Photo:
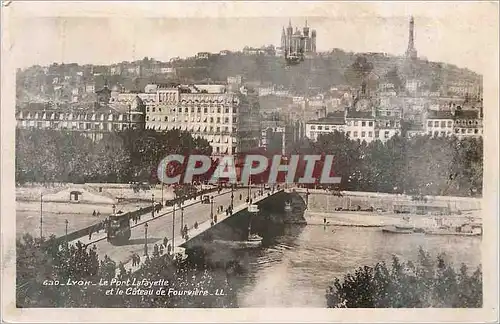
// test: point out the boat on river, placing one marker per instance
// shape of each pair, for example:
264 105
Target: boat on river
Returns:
396 230
253 241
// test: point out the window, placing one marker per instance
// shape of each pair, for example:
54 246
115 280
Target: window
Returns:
363 134
430 133
450 123
227 110
226 120
355 123
386 134
470 122
327 127
205 110
147 109
436 123
320 127
199 109
377 134
436 134
218 110
476 131
443 124
363 124
211 119
355 134
313 127
234 119
153 109
457 130
147 118
348 133
192 109
218 120
211 128
370 124
463 130
443 133
469 131
218 130
166 118
186 110
429 123
370 134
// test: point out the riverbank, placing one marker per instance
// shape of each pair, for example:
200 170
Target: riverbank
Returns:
374 219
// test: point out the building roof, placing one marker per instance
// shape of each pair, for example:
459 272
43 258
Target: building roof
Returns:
360 114
328 121
440 114
448 114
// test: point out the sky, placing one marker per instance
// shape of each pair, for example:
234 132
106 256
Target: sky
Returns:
447 33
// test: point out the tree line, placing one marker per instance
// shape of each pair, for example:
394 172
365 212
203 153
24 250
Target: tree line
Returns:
421 165
128 156
39 266
423 284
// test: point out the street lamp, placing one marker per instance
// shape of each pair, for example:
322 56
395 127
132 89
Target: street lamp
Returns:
146 239
162 193
114 209
212 207
153 205
173 230
41 217
232 195
182 220
66 221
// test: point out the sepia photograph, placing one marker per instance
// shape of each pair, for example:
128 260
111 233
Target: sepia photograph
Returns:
249 156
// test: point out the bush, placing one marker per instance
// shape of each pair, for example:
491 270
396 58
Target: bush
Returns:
408 285
38 265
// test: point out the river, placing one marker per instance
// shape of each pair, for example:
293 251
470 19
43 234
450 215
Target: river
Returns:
295 267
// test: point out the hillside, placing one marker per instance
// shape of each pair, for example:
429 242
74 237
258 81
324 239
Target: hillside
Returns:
320 72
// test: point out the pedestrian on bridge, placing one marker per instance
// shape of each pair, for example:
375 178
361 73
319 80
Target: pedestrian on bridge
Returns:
94 213
165 241
90 234
161 249
195 225
169 248
185 231
240 197
156 251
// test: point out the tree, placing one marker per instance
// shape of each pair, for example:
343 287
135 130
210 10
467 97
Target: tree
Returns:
357 72
408 285
392 76
39 265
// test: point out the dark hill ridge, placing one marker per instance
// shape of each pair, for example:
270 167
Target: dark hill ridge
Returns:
321 72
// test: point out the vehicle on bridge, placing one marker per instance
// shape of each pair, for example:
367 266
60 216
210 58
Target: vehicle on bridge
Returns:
205 199
118 231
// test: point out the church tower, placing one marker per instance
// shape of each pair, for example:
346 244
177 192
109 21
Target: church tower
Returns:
411 52
283 38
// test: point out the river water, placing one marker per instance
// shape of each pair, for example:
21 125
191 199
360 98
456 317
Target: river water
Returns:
295 267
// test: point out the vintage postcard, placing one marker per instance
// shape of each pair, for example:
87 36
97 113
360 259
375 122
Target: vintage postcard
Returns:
249 161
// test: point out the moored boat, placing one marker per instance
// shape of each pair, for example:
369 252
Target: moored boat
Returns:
395 230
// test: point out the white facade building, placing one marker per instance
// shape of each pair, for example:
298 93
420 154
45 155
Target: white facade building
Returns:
206 111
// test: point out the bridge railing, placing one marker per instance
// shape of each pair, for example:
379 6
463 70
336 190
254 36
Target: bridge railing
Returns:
132 214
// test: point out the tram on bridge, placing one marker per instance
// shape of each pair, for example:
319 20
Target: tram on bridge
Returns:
118 229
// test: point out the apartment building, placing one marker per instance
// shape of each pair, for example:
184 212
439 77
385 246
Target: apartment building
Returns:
93 123
207 111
